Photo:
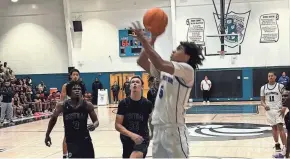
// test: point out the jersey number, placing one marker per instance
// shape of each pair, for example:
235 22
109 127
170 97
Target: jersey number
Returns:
271 98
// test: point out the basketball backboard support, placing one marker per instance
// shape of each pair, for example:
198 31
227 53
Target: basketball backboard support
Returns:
231 45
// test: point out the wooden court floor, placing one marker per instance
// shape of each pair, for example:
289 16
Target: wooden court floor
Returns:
27 140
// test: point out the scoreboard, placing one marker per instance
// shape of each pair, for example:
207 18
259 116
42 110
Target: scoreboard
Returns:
128 45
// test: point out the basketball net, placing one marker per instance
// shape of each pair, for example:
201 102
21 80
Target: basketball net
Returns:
222 54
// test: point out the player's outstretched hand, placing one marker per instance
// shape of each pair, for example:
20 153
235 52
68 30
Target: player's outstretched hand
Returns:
47 141
91 127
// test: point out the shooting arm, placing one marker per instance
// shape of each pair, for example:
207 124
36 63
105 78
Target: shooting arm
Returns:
155 59
143 59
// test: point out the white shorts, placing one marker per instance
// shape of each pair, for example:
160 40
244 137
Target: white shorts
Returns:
170 142
274 117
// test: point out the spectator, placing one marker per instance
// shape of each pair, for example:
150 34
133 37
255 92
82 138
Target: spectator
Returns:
284 79
17 108
6 107
52 100
115 89
27 107
95 87
38 103
126 88
152 93
205 87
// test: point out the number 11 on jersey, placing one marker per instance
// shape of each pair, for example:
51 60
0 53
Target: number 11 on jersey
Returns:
271 98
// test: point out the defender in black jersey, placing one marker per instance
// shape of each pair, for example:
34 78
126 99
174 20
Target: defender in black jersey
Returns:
132 121
75 115
286 103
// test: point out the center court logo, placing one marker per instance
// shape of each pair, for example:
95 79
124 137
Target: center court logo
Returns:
227 131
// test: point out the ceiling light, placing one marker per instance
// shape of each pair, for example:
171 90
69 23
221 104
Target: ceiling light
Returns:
14 1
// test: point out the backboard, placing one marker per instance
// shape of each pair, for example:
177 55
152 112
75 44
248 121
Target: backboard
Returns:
213 45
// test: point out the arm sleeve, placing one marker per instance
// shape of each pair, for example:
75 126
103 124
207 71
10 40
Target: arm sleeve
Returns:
153 71
262 93
121 108
183 70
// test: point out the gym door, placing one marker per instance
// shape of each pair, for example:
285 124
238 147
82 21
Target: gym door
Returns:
125 76
119 80
145 77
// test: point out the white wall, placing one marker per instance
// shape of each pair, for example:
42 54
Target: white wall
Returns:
253 53
32 36
99 50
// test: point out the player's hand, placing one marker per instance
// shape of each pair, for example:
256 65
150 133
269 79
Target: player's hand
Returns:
267 108
92 127
137 139
47 141
282 111
137 29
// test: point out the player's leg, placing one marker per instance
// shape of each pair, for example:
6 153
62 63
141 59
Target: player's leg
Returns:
176 144
87 150
127 148
283 137
204 96
280 122
140 151
271 118
287 124
64 148
158 150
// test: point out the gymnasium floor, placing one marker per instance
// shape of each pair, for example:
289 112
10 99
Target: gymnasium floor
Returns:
221 139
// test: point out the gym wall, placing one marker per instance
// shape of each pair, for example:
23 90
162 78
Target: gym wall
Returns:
33 37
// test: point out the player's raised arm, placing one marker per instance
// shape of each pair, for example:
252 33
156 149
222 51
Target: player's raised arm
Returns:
145 63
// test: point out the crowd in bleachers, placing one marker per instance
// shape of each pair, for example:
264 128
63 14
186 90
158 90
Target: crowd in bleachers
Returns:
21 98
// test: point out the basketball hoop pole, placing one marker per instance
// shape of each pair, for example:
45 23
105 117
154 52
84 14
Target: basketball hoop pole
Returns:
222 8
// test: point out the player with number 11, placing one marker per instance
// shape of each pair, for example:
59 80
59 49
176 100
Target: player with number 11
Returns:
271 100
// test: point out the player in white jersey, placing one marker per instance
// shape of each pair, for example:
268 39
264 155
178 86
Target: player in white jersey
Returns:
271 100
176 80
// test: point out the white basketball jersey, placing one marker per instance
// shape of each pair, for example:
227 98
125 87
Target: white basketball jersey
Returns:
273 95
173 94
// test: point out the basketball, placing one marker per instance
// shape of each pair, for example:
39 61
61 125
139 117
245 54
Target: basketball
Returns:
155 20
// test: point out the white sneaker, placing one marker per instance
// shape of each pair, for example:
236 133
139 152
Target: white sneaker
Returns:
203 102
283 150
208 103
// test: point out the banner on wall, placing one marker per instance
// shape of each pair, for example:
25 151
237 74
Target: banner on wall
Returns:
195 32
269 28
103 98
235 23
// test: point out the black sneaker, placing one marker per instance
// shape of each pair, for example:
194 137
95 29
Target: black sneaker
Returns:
277 147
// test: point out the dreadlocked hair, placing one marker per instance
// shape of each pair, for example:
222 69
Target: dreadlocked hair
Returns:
71 84
195 53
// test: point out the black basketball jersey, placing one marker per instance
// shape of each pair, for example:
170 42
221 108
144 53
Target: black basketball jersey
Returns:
75 122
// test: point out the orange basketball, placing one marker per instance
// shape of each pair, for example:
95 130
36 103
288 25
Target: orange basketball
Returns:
155 20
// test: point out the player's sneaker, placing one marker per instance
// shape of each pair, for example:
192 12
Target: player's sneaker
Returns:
283 150
277 147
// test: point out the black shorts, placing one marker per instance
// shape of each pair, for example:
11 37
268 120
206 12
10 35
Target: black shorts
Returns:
129 146
287 122
83 149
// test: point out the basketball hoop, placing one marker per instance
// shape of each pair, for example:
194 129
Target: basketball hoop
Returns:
222 53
